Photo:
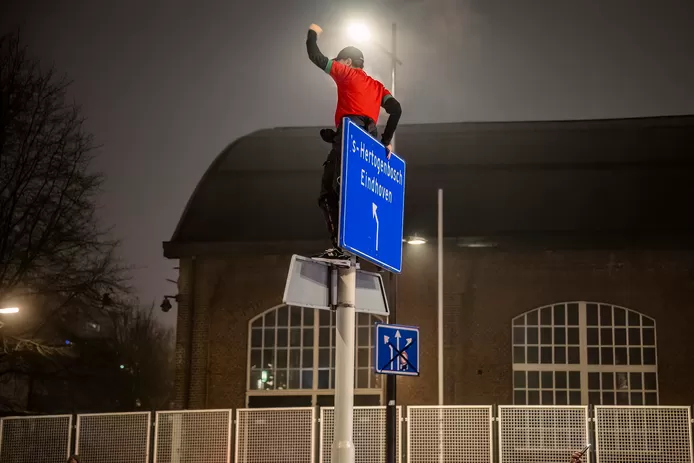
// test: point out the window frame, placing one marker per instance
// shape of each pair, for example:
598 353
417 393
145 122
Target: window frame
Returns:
583 366
314 391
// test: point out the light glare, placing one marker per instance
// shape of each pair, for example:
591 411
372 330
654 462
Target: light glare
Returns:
9 310
416 240
359 32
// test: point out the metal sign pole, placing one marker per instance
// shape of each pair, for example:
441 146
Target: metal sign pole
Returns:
343 447
391 383
391 386
440 321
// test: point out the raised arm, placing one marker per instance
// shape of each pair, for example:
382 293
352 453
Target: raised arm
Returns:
314 53
394 110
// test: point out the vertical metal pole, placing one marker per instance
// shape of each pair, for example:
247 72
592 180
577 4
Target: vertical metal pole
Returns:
440 295
343 447
394 60
391 384
440 319
394 67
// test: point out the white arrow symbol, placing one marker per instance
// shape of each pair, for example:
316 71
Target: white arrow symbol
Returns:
397 345
375 216
385 341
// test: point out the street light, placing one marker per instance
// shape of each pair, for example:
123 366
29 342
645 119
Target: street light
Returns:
7 310
359 32
415 240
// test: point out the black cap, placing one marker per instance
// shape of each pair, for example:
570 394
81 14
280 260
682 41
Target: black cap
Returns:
350 52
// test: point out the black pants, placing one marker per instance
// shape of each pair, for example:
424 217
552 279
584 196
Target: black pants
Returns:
329 198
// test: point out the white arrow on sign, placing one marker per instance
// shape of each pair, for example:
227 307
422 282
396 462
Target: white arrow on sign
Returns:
397 345
385 341
375 216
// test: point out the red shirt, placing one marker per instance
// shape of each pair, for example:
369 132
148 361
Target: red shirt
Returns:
358 94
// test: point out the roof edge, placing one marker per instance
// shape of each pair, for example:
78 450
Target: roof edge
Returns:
660 118
212 168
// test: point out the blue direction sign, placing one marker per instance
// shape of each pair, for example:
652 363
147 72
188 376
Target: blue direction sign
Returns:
396 350
372 199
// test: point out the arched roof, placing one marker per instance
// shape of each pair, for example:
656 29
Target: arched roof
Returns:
515 178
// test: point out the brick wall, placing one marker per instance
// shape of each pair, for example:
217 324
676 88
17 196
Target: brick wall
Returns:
182 334
483 290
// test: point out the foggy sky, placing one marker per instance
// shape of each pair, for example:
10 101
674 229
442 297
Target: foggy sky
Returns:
166 85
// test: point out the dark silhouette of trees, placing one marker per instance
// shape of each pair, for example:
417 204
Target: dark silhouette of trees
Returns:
77 323
131 369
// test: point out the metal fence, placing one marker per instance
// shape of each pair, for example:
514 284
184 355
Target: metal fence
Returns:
369 434
275 434
450 433
192 436
524 434
113 437
643 434
531 434
44 439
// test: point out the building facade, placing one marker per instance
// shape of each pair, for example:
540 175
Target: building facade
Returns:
568 269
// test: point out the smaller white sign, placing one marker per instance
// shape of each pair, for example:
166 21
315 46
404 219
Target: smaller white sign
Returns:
313 284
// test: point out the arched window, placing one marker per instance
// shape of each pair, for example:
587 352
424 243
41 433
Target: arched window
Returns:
292 350
584 353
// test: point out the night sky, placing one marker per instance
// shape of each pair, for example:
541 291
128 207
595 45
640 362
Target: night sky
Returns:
166 85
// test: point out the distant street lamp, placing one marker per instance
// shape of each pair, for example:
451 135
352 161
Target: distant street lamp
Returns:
415 240
7 310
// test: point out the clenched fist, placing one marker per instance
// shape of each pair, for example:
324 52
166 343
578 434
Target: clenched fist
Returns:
316 28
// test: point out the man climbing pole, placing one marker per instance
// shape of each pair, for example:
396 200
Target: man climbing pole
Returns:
360 98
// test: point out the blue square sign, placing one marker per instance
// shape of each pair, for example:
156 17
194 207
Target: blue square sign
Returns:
396 350
372 199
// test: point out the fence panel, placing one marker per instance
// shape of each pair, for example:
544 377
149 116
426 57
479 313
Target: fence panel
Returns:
648 434
193 436
449 434
113 437
275 435
542 434
369 434
35 438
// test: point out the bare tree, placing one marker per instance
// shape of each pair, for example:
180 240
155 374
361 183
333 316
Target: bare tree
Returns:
51 244
128 369
147 352
56 260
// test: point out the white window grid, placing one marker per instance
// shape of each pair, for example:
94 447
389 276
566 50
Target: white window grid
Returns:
293 349
455 433
531 434
648 434
555 363
275 435
192 436
369 433
113 437
35 438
